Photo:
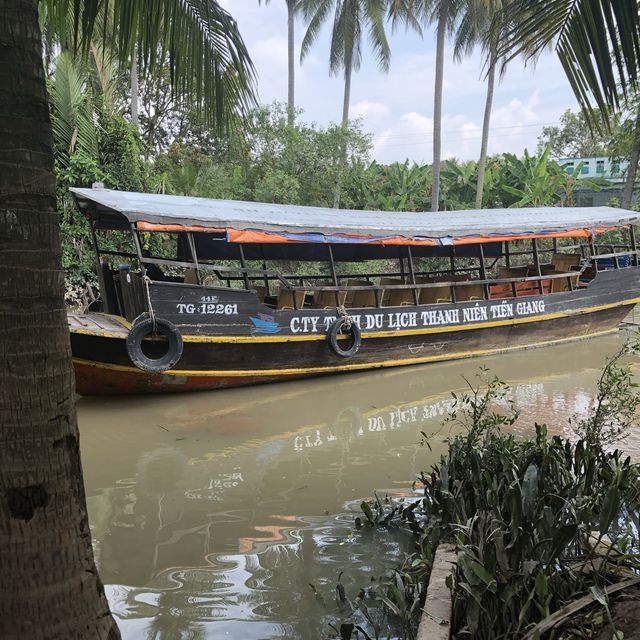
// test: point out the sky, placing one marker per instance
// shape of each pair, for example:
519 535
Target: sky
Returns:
397 107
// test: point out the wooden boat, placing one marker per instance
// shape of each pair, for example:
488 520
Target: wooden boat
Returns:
199 294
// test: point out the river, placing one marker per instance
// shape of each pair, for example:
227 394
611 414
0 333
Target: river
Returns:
212 513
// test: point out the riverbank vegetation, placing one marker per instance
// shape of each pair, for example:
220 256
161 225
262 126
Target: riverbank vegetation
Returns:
538 523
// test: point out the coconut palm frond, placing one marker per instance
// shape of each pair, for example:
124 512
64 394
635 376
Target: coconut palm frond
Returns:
104 73
315 13
72 113
209 63
597 41
350 18
376 14
410 13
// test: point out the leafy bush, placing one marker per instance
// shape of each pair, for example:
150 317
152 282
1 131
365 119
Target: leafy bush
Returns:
522 512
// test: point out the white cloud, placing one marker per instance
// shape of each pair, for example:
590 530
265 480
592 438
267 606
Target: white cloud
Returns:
516 125
270 51
370 112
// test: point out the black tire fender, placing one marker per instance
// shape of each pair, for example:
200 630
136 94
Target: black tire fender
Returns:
143 326
344 325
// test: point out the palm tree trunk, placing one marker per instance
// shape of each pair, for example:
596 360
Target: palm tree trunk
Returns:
49 586
134 91
347 91
627 194
437 111
291 14
482 163
348 69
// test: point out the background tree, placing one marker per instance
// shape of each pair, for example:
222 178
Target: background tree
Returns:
292 6
482 25
445 15
49 587
598 45
351 18
573 137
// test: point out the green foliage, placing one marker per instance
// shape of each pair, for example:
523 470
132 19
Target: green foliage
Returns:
93 143
597 41
393 187
537 181
222 182
532 184
273 162
522 512
574 138
207 58
351 19
120 153
458 185
72 111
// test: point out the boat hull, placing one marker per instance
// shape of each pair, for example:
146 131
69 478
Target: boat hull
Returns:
223 360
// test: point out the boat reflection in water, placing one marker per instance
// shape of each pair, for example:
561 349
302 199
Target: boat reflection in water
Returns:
212 513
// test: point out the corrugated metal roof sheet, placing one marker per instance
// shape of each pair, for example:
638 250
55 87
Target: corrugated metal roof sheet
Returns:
295 220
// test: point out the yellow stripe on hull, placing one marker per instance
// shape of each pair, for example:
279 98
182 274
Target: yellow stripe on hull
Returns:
344 367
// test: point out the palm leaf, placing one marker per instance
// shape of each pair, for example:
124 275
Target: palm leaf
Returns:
72 114
209 63
315 12
350 17
597 41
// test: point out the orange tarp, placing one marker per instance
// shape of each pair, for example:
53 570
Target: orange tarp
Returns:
256 236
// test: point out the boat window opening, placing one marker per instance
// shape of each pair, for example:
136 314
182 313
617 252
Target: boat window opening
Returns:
530 267
116 243
167 257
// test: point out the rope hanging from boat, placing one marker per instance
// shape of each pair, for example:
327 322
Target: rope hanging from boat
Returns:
146 279
341 311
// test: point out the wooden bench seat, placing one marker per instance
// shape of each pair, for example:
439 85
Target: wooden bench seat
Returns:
527 288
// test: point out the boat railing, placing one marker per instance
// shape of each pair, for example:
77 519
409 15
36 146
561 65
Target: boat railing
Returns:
453 286
244 273
540 281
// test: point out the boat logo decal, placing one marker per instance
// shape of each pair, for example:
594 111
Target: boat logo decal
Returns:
264 324
414 349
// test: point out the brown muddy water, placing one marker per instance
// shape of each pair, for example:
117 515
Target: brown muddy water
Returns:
212 513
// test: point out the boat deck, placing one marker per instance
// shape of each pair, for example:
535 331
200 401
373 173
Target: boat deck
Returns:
98 324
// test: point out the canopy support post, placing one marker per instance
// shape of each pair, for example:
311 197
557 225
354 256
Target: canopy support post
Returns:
243 264
452 262
264 268
593 251
94 239
483 271
412 275
194 256
507 255
632 236
136 241
536 263
334 277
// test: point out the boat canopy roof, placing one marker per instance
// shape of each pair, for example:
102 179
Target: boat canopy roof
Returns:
263 223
